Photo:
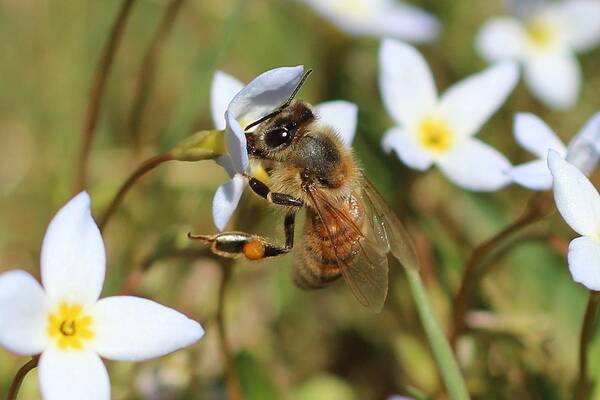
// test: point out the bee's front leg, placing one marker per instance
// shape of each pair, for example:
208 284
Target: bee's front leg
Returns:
254 247
281 199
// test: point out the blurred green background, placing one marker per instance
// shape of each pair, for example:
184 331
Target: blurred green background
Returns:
525 322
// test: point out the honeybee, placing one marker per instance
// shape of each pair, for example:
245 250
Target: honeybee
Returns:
349 228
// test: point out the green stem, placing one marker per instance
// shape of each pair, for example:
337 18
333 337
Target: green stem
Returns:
447 365
586 334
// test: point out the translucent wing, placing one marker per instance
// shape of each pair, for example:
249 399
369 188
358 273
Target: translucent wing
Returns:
388 227
366 271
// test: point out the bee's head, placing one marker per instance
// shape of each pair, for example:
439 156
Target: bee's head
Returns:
273 137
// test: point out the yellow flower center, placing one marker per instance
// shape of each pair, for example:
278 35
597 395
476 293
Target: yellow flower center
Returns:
354 8
541 33
435 135
70 327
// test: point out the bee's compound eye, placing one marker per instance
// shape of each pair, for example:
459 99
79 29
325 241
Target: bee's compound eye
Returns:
277 136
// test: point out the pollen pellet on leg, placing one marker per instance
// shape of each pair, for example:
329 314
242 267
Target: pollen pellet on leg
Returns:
254 250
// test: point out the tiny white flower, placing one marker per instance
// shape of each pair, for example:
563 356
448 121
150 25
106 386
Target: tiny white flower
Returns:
64 321
379 18
535 136
546 42
579 204
440 130
243 105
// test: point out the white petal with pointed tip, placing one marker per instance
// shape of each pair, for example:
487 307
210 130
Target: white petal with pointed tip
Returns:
341 116
73 375
223 89
226 200
405 146
584 261
23 313
130 328
477 166
536 136
581 23
266 92
469 103
554 79
405 82
73 258
576 198
501 38
533 175
236 144
584 149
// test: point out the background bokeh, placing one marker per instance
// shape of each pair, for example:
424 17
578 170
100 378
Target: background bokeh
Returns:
526 315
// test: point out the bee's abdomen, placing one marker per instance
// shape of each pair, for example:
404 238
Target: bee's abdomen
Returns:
324 247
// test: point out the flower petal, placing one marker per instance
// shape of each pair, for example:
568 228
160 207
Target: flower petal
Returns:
554 79
475 165
265 93
406 148
73 259
132 329
226 200
379 19
405 82
23 313
501 38
581 23
534 175
340 115
584 149
73 375
534 135
236 144
576 198
405 22
584 261
223 89
469 103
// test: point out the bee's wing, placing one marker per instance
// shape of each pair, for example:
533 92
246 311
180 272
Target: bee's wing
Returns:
367 272
387 226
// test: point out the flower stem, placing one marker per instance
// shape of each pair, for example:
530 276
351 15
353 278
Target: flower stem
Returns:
538 208
442 351
13 391
586 334
233 381
97 91
144 168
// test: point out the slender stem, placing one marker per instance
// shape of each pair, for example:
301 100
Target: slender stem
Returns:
13 391
233 382
442 352
148 68
97 91
538 208
586 334
144 168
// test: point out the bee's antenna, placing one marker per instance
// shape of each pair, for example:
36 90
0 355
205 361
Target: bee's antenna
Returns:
284 105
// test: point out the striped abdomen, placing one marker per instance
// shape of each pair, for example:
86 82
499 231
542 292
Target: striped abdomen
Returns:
325 242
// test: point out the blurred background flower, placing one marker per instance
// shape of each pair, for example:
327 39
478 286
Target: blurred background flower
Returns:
440 131
545 40
535 136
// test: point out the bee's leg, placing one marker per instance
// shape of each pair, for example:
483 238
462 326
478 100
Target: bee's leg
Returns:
281 199
254 247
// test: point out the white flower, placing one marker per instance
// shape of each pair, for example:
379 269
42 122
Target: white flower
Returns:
546 42
440 130
579 204
535 136
264 94
379 18
69 326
